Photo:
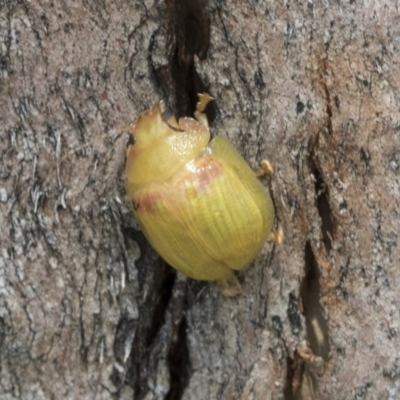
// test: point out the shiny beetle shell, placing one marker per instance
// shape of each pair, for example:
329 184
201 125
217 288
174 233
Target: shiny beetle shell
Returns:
197 201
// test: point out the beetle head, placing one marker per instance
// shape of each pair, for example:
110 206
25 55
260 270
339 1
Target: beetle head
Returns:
152 126
162 145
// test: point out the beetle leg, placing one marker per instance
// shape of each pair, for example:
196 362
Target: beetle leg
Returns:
204 99
276 236
266 168
230 285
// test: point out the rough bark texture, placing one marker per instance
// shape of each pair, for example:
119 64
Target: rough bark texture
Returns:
89 311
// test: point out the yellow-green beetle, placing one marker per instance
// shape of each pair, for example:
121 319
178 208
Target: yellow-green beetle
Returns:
197 201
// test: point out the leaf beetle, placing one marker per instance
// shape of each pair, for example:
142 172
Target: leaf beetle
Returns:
197 201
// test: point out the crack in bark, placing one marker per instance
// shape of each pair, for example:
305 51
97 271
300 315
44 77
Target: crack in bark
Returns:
324 209
316 354
188 28
307 364
164 297
328 108
316 323
179 363
155 344
294 376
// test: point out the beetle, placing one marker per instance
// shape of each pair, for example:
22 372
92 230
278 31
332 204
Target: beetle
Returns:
197 201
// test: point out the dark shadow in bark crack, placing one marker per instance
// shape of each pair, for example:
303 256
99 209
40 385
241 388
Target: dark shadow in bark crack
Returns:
316 324
179 364
188 26
324 209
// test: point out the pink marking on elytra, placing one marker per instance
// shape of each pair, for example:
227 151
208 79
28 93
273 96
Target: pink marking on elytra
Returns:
194 181
208 170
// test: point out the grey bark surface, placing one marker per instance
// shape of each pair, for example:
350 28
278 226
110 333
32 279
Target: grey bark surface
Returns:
89 311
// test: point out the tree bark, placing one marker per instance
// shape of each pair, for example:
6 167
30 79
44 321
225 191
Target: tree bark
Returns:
89 311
